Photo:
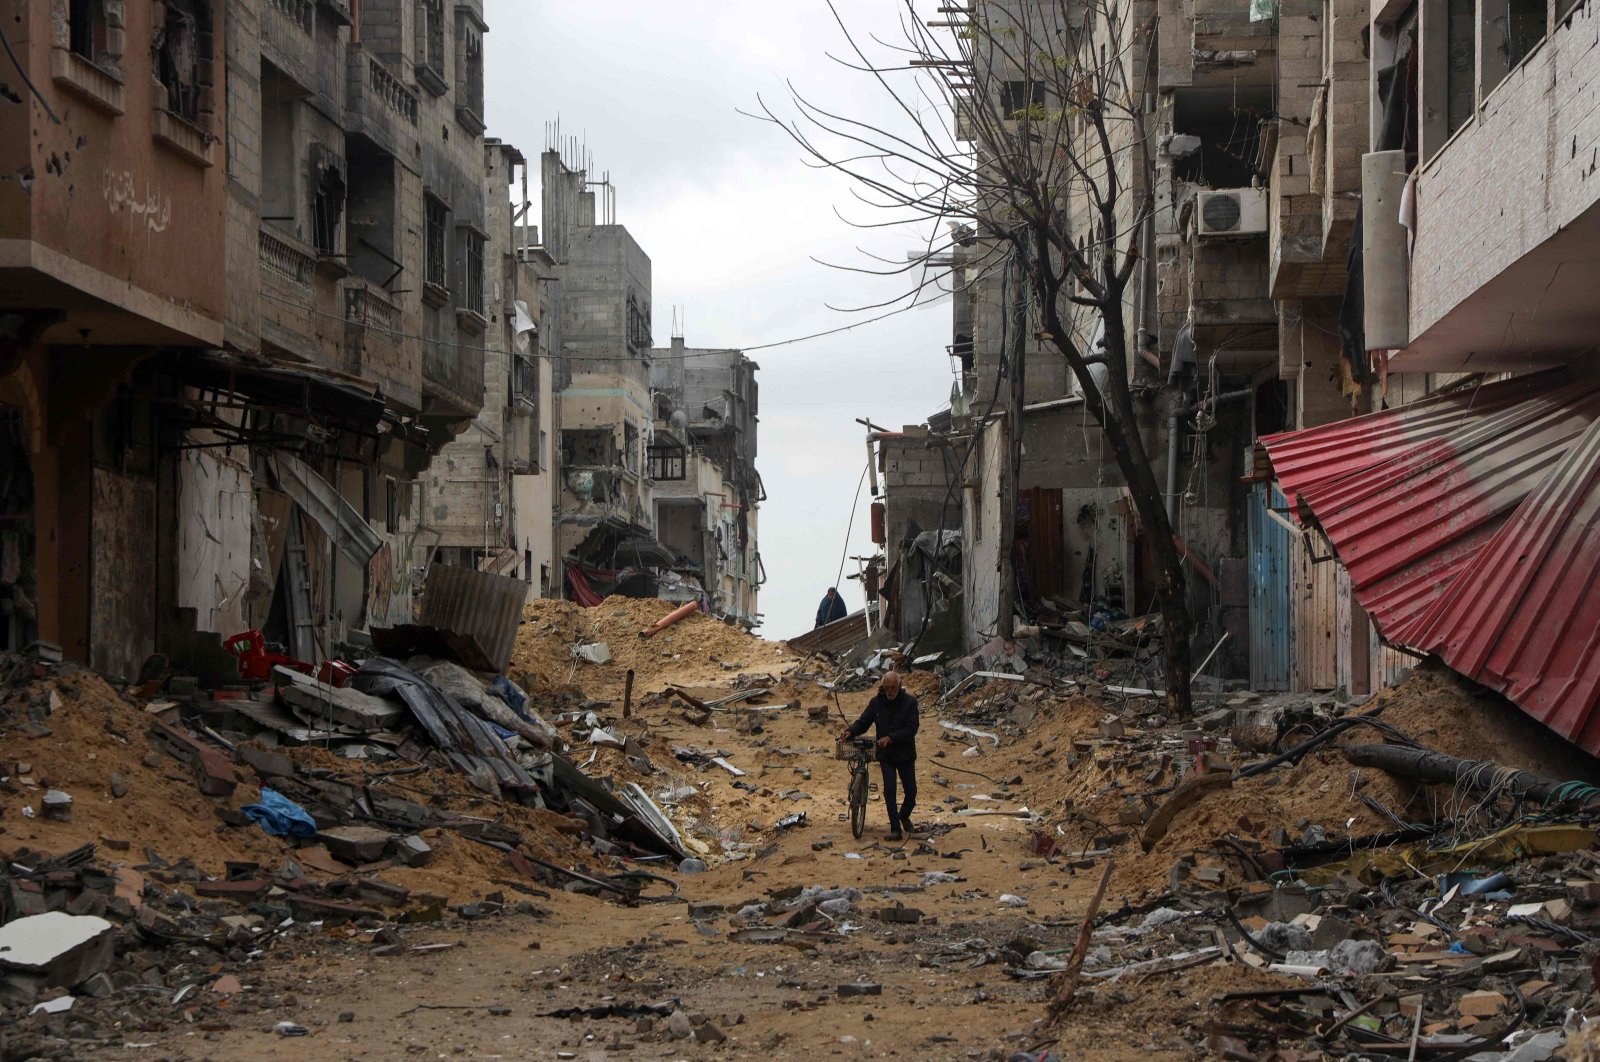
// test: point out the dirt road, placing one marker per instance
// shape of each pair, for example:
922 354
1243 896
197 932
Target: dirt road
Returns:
945 992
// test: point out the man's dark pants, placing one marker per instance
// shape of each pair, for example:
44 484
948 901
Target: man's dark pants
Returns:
907 773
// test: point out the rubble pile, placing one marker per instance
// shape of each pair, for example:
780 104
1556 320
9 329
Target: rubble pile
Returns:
1382 913
558 642
187 836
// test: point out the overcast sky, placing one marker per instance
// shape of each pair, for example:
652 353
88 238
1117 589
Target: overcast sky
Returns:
732 219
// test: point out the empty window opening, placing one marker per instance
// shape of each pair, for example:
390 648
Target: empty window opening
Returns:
371 219
87 29
588 448
430 42
1022 99
1460 43
280 177
327 201
182 46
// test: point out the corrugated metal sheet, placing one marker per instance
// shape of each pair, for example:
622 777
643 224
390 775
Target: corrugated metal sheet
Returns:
1476 538
476 605
1271 601
839 636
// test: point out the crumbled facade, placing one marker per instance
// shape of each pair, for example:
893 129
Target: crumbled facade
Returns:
702 460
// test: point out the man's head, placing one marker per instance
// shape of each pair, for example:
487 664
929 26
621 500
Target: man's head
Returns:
891 684
833 591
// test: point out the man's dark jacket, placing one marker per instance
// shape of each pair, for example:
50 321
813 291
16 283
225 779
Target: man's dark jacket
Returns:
832 608
896 720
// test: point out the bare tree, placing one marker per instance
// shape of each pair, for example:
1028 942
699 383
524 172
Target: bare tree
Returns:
1022 122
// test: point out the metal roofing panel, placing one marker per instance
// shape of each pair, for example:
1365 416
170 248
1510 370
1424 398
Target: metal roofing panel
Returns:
1470 525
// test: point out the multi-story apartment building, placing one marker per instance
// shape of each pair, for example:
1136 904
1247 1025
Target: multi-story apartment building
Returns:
488 493
702 461
242 367
112 206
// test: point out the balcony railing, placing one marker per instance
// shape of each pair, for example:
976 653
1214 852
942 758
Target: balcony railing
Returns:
286 261
370 307
455 373
302 13
385 86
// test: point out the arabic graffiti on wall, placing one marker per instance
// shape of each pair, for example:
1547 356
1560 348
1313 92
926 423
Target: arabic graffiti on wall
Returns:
122 196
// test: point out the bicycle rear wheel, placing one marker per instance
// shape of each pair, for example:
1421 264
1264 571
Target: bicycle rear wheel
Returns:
858 802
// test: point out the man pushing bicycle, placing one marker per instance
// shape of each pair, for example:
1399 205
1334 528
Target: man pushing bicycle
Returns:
894 712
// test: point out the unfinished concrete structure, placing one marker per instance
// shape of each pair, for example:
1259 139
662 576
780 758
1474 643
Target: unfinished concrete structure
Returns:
604 515
702 461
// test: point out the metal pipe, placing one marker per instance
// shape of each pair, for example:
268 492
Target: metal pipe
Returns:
1174 448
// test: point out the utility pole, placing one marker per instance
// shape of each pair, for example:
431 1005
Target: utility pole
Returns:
1011 457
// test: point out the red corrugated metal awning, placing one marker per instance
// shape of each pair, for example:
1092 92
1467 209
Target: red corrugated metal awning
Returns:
1470 525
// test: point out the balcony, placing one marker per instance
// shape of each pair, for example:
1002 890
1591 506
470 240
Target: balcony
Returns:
379 105
452 378
285 262
370 307
288 40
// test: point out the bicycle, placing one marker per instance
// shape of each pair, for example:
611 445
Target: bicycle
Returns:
858 752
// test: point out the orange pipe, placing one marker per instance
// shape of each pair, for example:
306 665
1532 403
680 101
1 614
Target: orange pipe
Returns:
670 618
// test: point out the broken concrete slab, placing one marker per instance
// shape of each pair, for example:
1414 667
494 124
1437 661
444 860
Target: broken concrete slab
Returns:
356 844
412 851
61 948
345 706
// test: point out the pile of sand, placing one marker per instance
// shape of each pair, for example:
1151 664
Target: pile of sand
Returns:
695 651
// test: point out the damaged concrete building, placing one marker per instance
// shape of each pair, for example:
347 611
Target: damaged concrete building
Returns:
1455 516
702 459
604 520
489 495
1365 369
222 393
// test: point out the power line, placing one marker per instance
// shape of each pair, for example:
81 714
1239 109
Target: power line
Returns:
393 333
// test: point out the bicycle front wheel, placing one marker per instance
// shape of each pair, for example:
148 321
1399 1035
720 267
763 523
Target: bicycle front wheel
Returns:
858 803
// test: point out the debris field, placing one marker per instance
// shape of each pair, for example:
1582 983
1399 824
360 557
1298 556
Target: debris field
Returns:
561 862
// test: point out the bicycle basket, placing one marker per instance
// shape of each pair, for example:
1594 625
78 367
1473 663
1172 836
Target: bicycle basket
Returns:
847 750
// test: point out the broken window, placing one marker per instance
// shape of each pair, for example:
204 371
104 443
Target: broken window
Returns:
469 70
87 28
630 447
182 45
436 219
327 200
587 448
638 324
525 380
668 463
430 45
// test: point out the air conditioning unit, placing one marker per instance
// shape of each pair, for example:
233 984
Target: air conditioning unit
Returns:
1231 212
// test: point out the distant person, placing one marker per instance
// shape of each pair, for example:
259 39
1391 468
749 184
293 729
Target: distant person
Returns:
894 712
832 607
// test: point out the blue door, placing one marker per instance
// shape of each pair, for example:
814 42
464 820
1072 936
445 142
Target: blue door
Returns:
1271 600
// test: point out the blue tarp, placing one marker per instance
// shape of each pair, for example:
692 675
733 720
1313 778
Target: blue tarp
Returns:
280 816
